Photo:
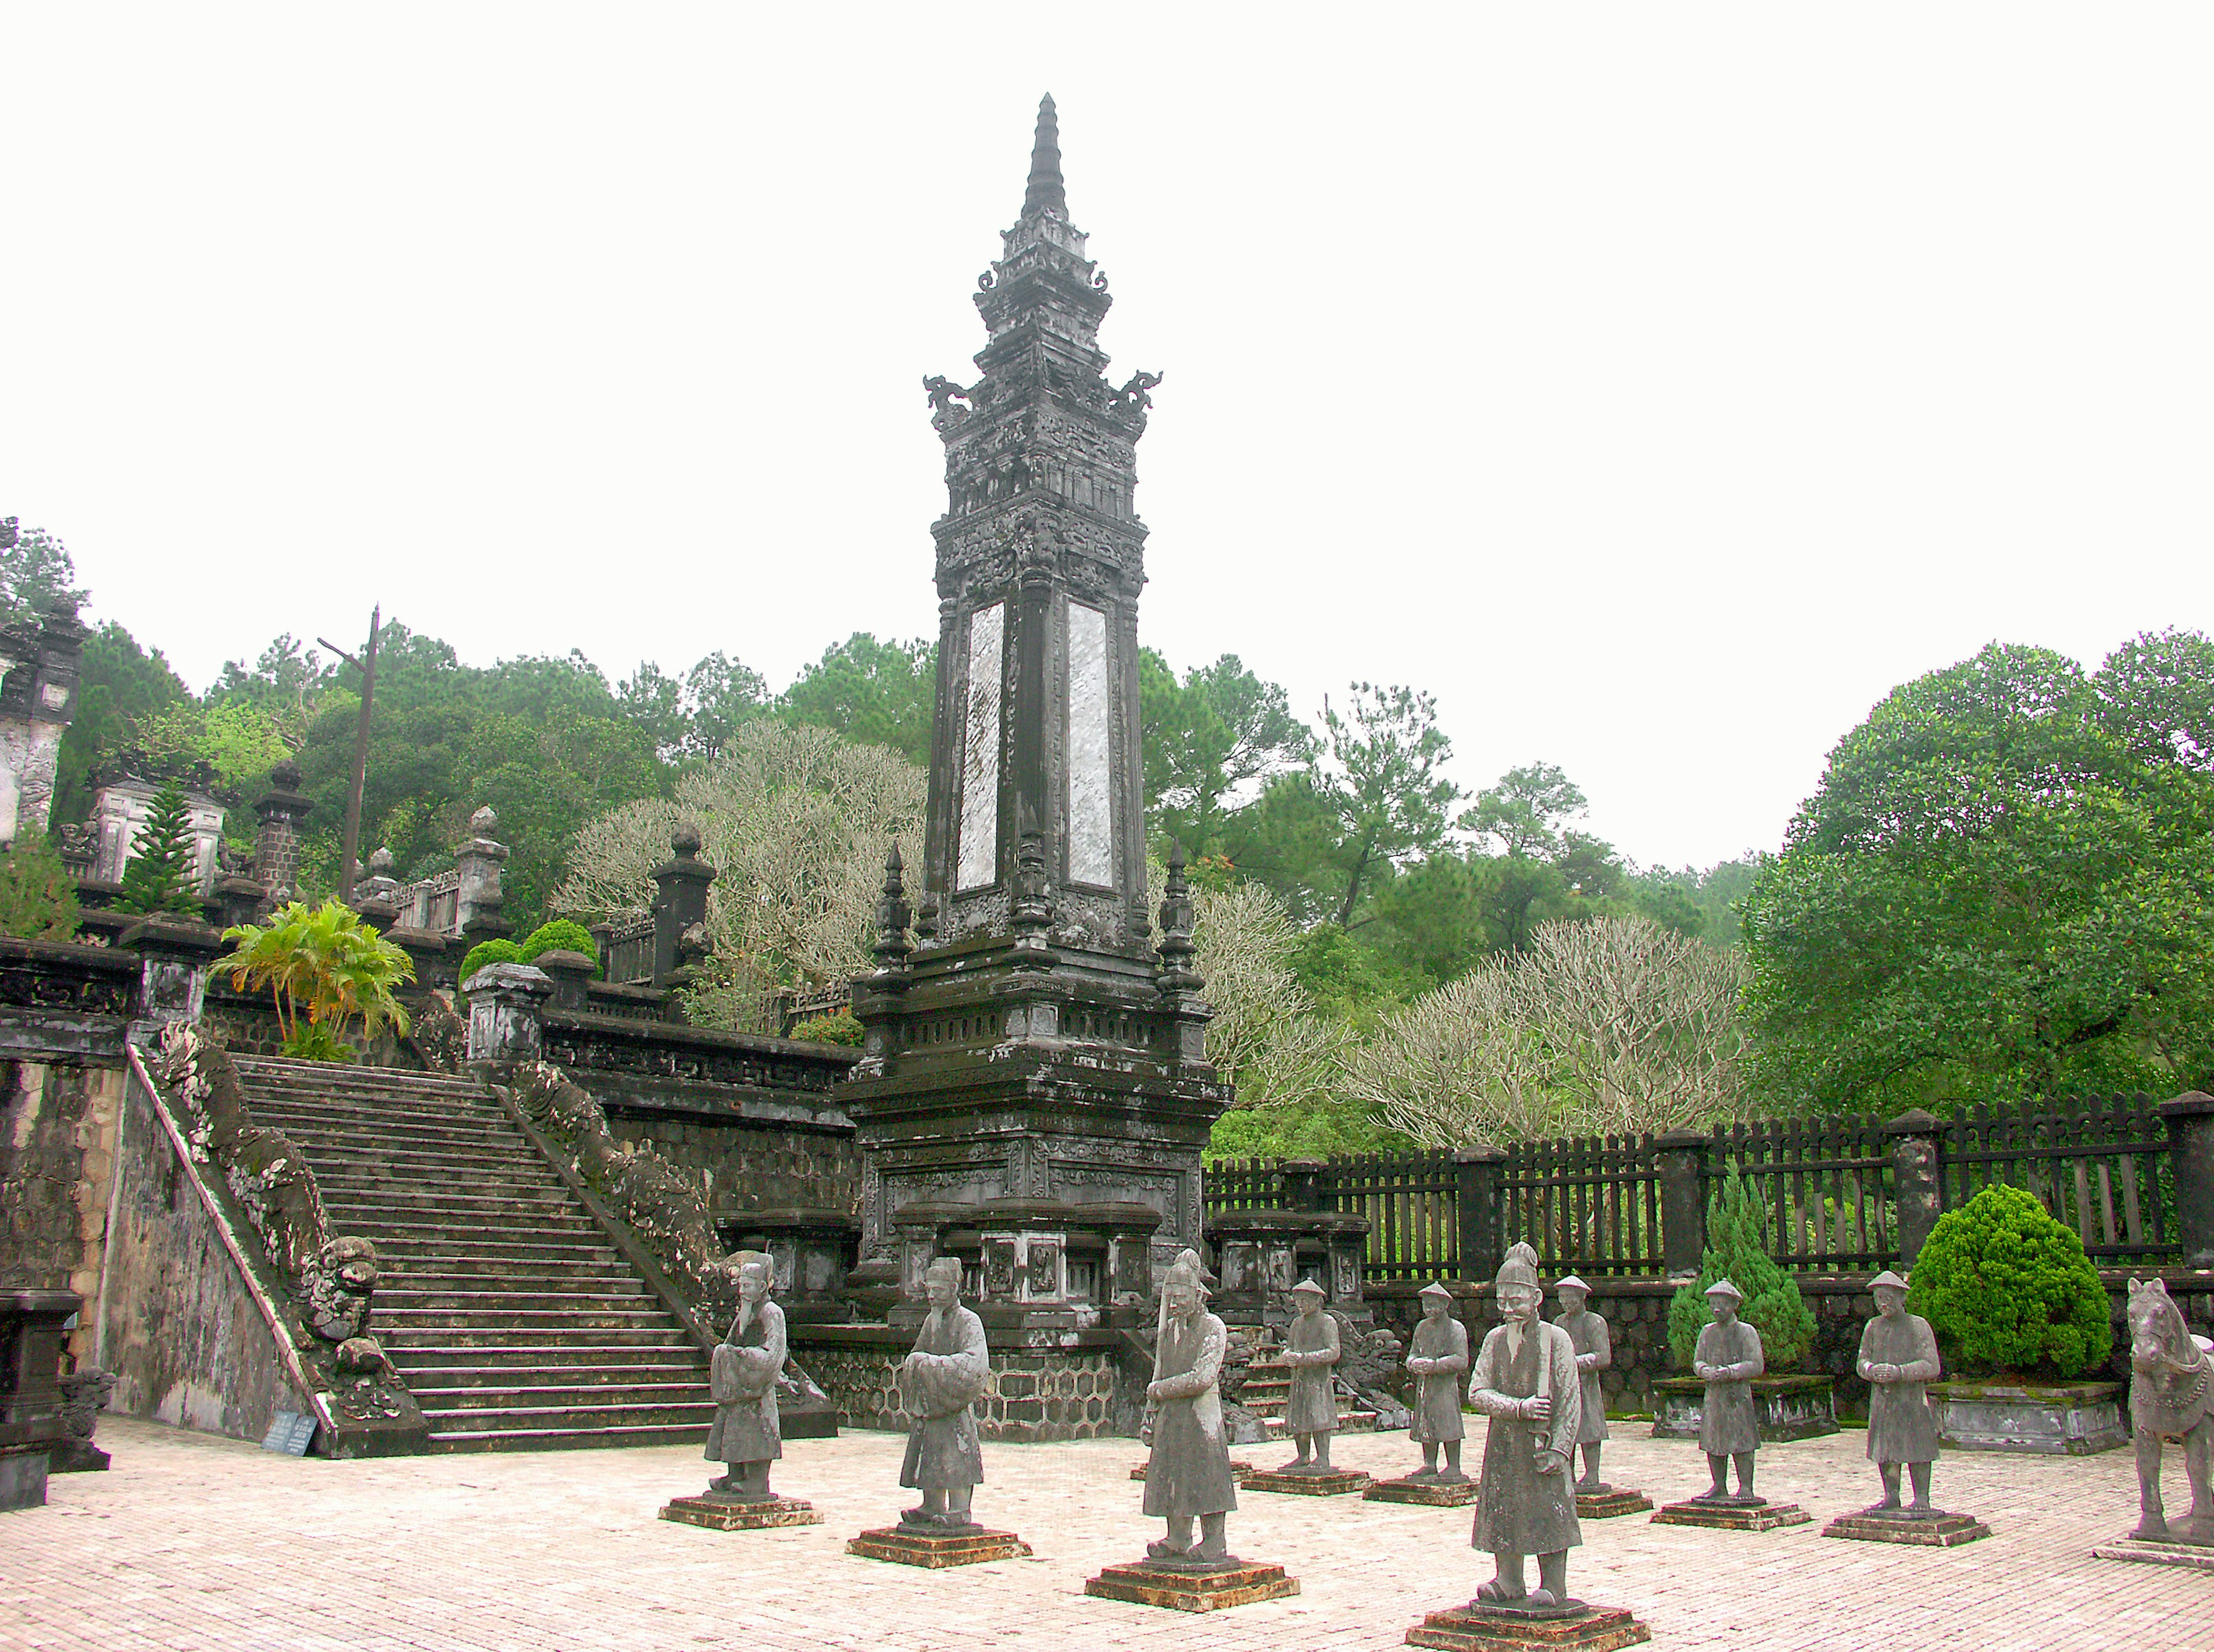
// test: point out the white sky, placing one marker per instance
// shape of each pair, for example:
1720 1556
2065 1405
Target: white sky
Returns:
1659 385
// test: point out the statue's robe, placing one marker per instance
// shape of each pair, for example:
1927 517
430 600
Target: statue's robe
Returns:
939 1381
1189 1473
1437 1392
1588 1332
1312 1352
1519 1510
748 1429
1727 1423
1902 1423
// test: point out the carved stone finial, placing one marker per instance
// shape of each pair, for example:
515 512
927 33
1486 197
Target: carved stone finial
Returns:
1046 191
484 822
892 917
685 840
1176 948
380 863
285 776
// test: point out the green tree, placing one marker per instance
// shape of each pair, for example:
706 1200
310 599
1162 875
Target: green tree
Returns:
121 687
1999 889
36 573
1524 813
1383 783
1738 1250
325 970
38 895
2007 1288
1213 736
159 877
873 693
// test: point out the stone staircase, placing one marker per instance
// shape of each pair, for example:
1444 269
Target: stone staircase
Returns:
517 1325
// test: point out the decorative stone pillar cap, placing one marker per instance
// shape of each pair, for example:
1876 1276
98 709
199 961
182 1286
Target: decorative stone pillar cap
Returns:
2191 1104
527 978
1888 1277
1572 1284
1723 1288
1915 1121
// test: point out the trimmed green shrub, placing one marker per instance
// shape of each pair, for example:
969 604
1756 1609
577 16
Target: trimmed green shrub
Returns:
489 952
840 1028
561 935
38 896
2008 1289
1737 1250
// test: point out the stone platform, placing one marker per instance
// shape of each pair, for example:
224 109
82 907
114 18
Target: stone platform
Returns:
1239 1472
1611 1502
1936 1531
1733 1516
730 1515
1151 1583
1430 1493
2158 1551
905 1545
1336 1483
1481 1626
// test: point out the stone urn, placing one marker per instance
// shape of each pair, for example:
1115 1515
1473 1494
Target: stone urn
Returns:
2012 1414
1791 1406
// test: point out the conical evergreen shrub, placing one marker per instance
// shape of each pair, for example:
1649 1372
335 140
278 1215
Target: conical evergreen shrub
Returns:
159 877
1737 1250
2009 1288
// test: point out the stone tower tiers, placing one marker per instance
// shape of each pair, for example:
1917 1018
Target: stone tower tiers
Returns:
1030 1047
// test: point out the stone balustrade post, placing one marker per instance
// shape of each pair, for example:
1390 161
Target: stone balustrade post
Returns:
282 813
1916 1178
2191 1154
174 956
1475 1193
505 1003
572 975
478 897
1683 1166
681 901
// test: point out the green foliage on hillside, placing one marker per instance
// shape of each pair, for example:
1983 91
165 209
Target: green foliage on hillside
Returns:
38 895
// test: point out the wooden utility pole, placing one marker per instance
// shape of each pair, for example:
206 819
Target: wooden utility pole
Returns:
367 666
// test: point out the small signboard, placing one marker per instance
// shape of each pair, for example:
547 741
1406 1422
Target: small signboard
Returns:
291 1433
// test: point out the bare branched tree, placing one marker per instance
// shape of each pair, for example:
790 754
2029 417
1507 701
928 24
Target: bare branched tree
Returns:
1266 1037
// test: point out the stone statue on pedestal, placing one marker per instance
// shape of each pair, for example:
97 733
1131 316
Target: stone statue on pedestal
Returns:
1587 1332
1899 1360
1188 1475
1311 1351
1525 1382
746 1434
1437 1355
1727 1358
939 1382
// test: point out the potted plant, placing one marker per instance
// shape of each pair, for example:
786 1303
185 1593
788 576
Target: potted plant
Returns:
1790 1404
2020 1317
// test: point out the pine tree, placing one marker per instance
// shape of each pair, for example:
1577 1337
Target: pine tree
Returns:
1737 1250
38 896
159 877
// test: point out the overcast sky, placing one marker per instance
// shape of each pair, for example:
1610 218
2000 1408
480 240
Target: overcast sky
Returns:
1658 385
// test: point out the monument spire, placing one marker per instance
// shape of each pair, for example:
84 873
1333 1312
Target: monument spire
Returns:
1046 192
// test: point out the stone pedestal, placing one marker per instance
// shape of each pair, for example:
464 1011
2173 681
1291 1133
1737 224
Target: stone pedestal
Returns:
1338 1483
1239 1470
1610 1501
1481 1625
1935 1531
1763 1516
1191 1589
2071 1419
730 1515
31 1425
1785 1407
1432 1493
909 1546
2158 1551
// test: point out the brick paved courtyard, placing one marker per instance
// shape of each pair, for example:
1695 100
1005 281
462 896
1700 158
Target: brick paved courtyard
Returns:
192 1543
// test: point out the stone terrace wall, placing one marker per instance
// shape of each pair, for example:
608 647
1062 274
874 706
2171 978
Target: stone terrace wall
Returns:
1034 1394
57 1144
749 1166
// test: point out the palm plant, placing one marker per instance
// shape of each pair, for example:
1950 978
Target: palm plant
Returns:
323 968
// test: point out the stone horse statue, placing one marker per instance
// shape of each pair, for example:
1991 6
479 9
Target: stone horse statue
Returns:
2170 1397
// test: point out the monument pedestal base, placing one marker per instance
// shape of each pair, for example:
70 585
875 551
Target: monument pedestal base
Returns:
2158 1551
1152 1583
1336 1484
1610 1501
74 1456
1431 1493
1936 1531
908 1546
1239 1472
727 1515
1482 1626
1733 1516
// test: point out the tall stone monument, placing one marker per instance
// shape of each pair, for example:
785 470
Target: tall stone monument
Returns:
1034 1094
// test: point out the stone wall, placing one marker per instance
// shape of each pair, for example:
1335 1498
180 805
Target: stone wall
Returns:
1034 1394
57 1145
752 1166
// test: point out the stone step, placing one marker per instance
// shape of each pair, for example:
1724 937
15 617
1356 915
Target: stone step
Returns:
476 1275
541 1342
536 1372
647 1315
356 1122
554 1226
407 1296
430 1157
567 1418
684 1390
434 1204
360 1189
270 1072
515 1363
692 1435
410 1248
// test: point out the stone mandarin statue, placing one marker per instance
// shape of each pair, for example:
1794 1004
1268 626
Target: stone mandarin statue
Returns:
1726 1358
746 1433
1189 1474
1310 1350
1899 1360
1437 1357
939 1382
1525 1382
1595 1354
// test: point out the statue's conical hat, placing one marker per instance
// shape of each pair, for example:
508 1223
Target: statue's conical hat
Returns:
1308 1287
1436 1288
1888 1277
1723 1288
1572 1284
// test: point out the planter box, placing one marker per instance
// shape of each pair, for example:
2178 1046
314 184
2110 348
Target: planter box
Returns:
2062 1418
1787 1407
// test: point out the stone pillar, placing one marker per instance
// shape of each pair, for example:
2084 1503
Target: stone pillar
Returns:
282 812
572 975
681 901
1918 1181
477 900
1683 1164
31 1337
174 954
505 1001
1476 1190
1304 1184
2191 1154
39 667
